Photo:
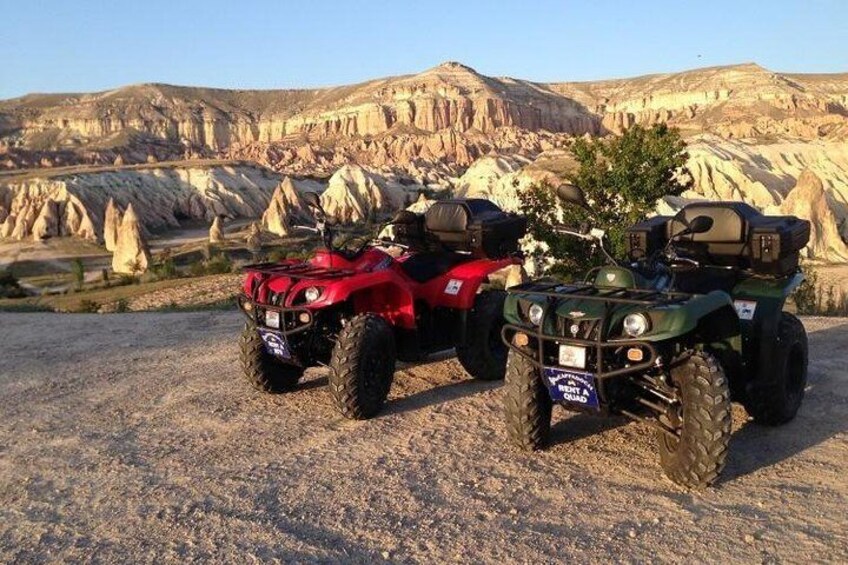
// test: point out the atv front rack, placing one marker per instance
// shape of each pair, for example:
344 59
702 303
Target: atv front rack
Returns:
300 271
610 297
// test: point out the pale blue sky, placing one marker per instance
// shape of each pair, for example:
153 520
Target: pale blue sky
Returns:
85 45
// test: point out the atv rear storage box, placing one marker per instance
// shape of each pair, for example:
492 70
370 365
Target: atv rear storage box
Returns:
474 225
740 237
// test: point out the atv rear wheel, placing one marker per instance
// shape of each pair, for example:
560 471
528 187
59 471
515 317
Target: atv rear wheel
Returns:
696 457
362 366
484 353
261 369
778 401
527 404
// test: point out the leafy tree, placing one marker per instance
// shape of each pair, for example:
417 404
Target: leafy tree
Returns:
622 177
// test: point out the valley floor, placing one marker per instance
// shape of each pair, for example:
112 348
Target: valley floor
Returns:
132 437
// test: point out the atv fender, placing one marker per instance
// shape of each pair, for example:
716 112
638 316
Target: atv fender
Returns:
458 288
761 331
381 292
711 314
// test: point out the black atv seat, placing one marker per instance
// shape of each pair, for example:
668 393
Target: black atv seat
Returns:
423 267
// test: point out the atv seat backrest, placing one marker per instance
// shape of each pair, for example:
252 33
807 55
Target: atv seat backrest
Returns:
473 225
726 240
743 237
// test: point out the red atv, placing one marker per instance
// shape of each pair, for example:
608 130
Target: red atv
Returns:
359 310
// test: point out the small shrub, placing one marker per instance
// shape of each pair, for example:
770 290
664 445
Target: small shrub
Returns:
812 298
9 286
806 296
219 265
122 306
88 307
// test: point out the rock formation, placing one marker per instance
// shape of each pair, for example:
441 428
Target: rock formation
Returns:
216 231
111 224
162 197
131 254
253 239
285 206
809 200
47 223
354 195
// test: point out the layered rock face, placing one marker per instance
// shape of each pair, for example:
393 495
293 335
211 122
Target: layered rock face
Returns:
85 204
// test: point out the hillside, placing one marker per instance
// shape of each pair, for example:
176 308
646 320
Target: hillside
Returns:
735 101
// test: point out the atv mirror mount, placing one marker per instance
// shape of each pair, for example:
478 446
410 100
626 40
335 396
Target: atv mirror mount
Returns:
572 195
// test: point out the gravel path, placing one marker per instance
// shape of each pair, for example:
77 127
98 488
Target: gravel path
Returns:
131 438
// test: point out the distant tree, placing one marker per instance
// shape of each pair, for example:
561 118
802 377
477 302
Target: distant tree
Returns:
622 177
78 271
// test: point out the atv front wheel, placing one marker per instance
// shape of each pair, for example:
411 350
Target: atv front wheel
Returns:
362 366
696 457
527 404
261 369
778 401
484 353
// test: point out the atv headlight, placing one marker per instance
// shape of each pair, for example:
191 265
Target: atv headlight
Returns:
312 294
535 314
636 324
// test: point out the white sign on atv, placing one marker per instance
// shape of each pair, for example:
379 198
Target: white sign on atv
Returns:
745 309
453 287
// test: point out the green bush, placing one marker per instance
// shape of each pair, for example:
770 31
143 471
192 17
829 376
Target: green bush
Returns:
622 178
122 306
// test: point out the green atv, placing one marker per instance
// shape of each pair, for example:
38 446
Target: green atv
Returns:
690 321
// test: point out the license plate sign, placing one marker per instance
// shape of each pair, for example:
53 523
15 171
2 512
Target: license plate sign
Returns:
275 343
572 356
571 387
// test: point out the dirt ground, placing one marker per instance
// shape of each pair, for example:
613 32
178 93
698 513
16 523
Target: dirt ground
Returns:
132 438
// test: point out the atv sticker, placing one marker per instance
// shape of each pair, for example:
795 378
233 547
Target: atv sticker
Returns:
275 343
573 387
745 309
453 287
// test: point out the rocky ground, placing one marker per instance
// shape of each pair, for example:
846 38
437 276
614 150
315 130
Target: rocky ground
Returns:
132 437
201 292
